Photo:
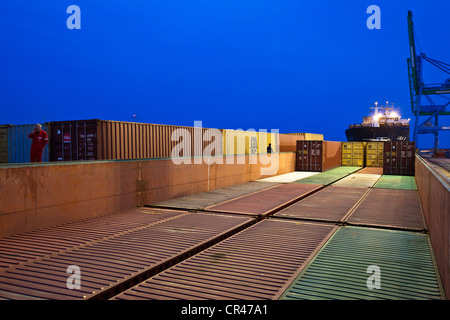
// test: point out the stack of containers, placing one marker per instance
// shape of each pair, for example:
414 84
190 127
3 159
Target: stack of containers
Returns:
113 140
374 154
353 154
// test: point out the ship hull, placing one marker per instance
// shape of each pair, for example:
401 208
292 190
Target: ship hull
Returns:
387 133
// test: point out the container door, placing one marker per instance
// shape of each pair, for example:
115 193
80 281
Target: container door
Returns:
309 156
86 141
399 157
61 143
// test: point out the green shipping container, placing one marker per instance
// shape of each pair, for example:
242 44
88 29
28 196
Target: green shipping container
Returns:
370 264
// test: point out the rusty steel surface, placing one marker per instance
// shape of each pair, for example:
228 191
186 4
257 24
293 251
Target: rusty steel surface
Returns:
268 201
257 263
330 204
389 208
117 260
26 246
206 199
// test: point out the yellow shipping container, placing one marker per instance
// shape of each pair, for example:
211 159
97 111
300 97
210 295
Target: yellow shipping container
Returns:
347 162
310 136
374 155
357 162
237 142
266 138
353 154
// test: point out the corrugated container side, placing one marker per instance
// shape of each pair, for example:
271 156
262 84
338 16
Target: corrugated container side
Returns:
332 155
238 142
309 136
288 142
109 140
266 138
4 143
19 144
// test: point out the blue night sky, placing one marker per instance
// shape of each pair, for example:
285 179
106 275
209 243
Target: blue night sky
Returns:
296 66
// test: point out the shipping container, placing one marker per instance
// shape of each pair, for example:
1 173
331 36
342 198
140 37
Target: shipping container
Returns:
399 157
374 154
288 142
318 156
19 144
353 154
111 140
309 136
4 143
238 142
266 138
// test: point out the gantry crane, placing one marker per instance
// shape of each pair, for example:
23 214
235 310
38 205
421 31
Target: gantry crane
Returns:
418 90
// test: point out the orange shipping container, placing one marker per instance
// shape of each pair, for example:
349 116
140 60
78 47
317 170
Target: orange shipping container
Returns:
114 140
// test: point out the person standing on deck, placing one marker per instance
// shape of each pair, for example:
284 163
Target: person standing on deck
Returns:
40 140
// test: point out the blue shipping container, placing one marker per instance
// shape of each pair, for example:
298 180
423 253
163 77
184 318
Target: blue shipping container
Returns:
19 144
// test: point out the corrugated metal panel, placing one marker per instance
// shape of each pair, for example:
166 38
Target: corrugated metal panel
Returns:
4 143
330 176
358 180
396 182
205 199
390 208
237 142
24 247
288 143
267 201
117 260
19 144
309 136
257 263
399 157
110 140
266 138
330 204
339 271
289 177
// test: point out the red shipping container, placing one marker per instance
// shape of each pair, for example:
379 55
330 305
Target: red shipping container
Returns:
318 156
399 158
